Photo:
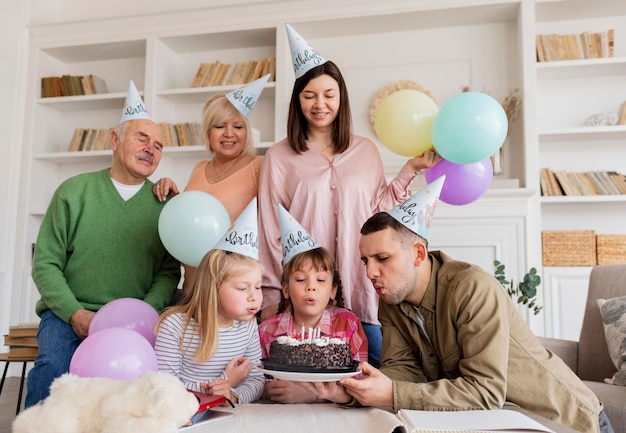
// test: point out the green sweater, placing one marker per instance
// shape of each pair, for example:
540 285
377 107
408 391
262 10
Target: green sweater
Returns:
94 247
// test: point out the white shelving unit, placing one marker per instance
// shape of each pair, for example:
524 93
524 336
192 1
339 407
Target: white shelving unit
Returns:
487 45
568 92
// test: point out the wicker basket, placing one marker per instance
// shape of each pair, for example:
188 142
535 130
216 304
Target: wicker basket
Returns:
569 248
611 249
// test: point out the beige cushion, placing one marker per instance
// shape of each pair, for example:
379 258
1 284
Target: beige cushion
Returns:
613 313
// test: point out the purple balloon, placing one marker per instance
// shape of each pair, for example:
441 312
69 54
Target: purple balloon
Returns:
130 313
464 183
116 353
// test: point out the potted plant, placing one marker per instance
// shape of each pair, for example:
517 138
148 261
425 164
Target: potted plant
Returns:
525 293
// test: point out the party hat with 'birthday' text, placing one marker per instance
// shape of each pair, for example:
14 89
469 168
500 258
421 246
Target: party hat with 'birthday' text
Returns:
134 107
303 56
244 99
416 212
294 237
243 237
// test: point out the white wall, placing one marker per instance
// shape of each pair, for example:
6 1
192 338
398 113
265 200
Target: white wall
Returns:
13 57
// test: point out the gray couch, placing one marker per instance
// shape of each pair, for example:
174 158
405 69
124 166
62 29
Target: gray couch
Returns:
589 357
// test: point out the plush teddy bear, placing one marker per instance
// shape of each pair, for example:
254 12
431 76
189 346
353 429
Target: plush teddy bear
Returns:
154 403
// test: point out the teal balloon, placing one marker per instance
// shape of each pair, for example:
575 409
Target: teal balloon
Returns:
191 224
469 127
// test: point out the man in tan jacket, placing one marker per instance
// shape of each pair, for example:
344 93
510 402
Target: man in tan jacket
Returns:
452 337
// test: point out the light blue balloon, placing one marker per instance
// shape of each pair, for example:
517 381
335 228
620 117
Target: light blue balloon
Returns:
191 224
469 127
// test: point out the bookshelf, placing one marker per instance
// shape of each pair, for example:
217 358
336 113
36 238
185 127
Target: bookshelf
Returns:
568 92
484 44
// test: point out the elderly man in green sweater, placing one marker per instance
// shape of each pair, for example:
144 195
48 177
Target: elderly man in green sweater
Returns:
99 242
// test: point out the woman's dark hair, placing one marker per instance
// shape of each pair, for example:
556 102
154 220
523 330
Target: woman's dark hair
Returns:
297 133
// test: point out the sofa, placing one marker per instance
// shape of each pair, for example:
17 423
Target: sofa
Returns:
589 357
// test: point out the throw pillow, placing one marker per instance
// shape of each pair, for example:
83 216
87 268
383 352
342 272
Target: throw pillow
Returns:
613 312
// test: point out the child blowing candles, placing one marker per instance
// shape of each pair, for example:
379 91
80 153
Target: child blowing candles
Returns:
311 298
210 340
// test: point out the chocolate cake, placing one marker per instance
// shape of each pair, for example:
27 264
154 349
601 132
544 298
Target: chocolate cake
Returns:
323 352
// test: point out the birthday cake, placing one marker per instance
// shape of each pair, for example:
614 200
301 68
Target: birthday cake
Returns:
317 353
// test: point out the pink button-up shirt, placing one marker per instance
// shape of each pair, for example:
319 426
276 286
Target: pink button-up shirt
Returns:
331 200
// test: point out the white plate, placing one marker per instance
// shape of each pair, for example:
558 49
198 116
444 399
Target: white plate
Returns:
308 377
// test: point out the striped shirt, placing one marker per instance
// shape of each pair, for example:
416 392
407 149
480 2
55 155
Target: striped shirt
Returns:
335 322
240 340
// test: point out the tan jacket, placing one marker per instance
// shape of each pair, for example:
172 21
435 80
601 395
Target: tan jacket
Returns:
482 354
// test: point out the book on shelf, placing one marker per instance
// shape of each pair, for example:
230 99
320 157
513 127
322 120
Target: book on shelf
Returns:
72 85
24 329
586 45
560 182
549 180
90 139
221 74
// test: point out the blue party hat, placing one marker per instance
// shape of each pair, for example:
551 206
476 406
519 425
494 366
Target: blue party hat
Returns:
416 212
134 107
244 99
303 56
243 237
294 237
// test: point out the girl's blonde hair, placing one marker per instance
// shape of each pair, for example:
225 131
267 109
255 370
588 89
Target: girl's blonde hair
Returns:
321 260
217 111
199 306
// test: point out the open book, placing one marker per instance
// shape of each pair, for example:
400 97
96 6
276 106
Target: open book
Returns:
474 421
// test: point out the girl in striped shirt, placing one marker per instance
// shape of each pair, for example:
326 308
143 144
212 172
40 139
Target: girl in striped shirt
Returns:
210 339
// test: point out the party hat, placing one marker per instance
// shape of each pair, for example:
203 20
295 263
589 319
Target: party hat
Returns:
416 212
243 237
134 107
244 99
304 57
294 237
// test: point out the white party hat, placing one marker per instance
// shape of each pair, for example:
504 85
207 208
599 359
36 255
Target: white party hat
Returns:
294 237
416 212
244 99
134 107
243 237
303 56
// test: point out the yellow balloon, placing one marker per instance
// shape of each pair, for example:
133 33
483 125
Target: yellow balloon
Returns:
404 120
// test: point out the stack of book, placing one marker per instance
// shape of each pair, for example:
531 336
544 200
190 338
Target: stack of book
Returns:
562 183
220 74
90 139
22 340
72 85
181 134
554 47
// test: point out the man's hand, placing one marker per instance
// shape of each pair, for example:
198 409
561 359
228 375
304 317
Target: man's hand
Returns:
80 322
331 391
371 389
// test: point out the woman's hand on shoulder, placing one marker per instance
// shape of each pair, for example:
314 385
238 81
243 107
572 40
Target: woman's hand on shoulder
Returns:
425 160
163 188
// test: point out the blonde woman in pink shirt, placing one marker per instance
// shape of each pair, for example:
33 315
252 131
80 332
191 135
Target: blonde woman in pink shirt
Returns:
232 174
330 180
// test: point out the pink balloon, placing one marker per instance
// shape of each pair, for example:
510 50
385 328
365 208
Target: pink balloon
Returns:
116 353
130 313
464 183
